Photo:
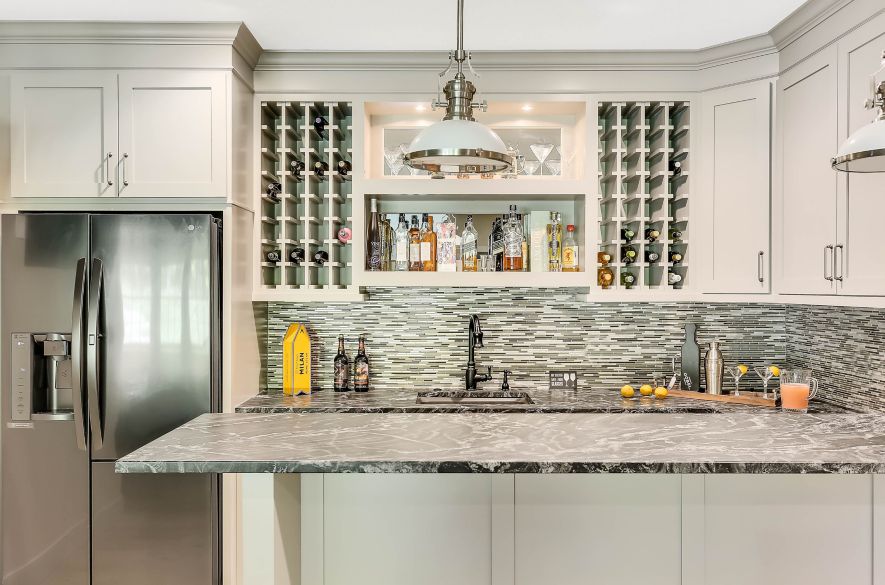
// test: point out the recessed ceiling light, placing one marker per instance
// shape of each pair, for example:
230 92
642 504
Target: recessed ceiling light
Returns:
527 108
420 107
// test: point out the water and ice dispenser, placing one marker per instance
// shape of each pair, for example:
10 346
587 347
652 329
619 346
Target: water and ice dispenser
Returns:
41 376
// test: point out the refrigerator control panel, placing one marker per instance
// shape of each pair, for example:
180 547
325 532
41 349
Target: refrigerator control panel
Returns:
22 362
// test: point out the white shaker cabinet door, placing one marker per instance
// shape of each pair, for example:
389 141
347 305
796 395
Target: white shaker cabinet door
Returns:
807 139
860 252
63 133
737 130
173 134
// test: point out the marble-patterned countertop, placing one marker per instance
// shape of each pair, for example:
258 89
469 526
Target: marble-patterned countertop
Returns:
516 443
588 400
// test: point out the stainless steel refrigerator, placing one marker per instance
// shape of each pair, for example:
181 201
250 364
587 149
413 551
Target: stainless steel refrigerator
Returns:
110 339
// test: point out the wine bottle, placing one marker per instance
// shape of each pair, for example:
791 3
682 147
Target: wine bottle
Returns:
344 167
428 244
627 280
651 256
273 191
320 168
373 239
297 255
415 246
675 167
652 234
675 234
673 278
361 368
628 255
675 257
342 368
603 258
297 167
272 256
321 257
401 244
627 234
605 277
320 123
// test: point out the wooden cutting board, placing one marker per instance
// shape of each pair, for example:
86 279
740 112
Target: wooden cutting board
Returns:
749 398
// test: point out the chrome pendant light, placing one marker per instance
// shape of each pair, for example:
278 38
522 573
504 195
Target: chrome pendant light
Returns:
864 151
458 144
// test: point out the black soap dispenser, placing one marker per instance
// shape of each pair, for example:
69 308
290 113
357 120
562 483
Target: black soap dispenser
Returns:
691 359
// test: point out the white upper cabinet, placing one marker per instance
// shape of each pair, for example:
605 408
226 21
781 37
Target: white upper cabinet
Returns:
63 133
106 134
173 132
860 252
736 175
807 101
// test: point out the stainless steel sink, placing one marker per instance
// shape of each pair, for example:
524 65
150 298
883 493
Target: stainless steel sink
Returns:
473 397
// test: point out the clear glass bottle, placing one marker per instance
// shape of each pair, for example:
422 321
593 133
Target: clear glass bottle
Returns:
554 242
374 252
513 242
569 250
386 244
401 248
469 245
415 246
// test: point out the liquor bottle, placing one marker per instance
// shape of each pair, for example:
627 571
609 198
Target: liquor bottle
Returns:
415 246
627 234
373 239
652 234
675 168
297 167
691 359
627 280
401 247
569 250
513 242
320 123
273 191
603 258
272 256
628 255
428 244
342 368
344 167
675 257
554 243
469 242
297 255
651 256
321 257
320 168
605 277
496 244
675 234
523 220
673 278
386 243
361 368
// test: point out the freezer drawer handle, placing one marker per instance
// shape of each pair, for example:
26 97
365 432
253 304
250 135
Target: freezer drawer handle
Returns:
77 353
93 353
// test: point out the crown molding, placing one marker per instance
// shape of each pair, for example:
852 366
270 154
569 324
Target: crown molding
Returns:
160 33
247 45
803 19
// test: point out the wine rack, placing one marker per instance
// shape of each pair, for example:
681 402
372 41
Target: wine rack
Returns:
313 204
643 184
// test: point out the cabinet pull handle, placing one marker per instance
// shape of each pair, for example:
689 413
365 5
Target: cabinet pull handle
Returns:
761 266
828 247
125 180
841 249
107 170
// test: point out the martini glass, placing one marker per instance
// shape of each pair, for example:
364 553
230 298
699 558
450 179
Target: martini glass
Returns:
736 373
394 157
530 166
541 152
766 374
554 166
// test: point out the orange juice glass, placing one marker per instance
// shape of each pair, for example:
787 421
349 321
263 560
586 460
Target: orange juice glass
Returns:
797 388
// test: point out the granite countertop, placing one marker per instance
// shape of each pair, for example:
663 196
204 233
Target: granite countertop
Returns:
587 401
515 443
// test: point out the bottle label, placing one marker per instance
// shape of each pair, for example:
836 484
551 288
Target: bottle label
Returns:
341 375
374 255
468 249
570 256
414 252
425 251
361 375
402 251
513 245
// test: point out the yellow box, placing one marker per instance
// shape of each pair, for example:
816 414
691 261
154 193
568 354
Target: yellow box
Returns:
296 360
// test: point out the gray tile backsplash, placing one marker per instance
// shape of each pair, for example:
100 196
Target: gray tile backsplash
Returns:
417 338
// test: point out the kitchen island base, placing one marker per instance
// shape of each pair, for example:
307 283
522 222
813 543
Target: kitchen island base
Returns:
527 529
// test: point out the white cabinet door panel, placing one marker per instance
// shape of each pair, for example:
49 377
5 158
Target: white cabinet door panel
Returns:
63 132
737 130
384 529
808 138
173 134
606 529
863 268
776 529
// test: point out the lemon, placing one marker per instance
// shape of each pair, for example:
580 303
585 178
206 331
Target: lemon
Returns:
775 371
660 392
646 390
627 391
742 368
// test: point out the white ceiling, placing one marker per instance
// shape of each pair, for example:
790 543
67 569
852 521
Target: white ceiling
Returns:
342 25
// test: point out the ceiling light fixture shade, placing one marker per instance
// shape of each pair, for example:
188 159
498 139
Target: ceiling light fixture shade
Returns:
864 151
458 144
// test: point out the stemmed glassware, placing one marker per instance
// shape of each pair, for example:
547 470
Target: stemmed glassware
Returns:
541 152
737 372
394 157
766 373
554 166
530 166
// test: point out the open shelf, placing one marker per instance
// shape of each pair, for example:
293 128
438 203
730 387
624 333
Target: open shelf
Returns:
480 279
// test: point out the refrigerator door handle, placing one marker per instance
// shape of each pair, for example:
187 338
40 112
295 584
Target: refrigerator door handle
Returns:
93 354
77 353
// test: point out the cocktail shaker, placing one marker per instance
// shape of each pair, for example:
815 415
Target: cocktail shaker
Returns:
714 368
